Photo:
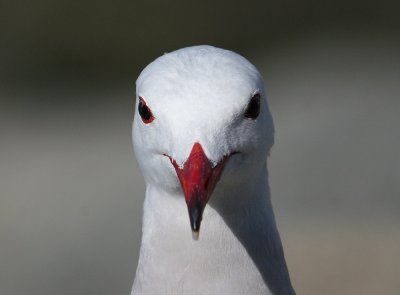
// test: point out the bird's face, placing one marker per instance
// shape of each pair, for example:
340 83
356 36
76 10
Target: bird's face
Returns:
201 121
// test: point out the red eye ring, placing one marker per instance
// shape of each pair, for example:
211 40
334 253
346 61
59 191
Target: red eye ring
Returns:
144 111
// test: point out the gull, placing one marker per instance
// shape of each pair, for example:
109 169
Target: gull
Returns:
202 132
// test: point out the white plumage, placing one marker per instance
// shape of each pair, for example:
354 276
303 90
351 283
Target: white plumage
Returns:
197 98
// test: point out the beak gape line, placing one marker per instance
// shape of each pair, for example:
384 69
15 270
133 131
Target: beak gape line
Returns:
198 179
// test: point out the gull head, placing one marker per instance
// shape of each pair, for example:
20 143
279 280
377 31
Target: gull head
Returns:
201 121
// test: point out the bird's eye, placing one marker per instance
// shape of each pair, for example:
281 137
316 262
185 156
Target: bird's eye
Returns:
145 112
253 108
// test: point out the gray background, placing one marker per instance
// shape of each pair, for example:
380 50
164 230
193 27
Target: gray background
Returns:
70 190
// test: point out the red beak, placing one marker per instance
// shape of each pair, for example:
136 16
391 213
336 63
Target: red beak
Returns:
198 179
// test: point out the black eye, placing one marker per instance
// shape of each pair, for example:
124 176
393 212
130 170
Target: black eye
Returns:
253 108
144 111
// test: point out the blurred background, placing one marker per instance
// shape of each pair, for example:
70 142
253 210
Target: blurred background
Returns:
70 190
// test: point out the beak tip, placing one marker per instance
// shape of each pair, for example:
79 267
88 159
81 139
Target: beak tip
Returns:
195 235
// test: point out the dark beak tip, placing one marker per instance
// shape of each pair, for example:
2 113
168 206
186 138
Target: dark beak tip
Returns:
195 215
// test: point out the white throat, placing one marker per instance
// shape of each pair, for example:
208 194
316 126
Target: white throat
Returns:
239 250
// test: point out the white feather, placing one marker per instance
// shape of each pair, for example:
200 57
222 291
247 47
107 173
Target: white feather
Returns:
199 94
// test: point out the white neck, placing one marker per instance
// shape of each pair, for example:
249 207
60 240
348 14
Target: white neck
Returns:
239 250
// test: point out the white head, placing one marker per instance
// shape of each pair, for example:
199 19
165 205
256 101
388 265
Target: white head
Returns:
203 111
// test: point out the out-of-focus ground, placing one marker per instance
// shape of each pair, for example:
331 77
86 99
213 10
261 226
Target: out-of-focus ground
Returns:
335 173
71 192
